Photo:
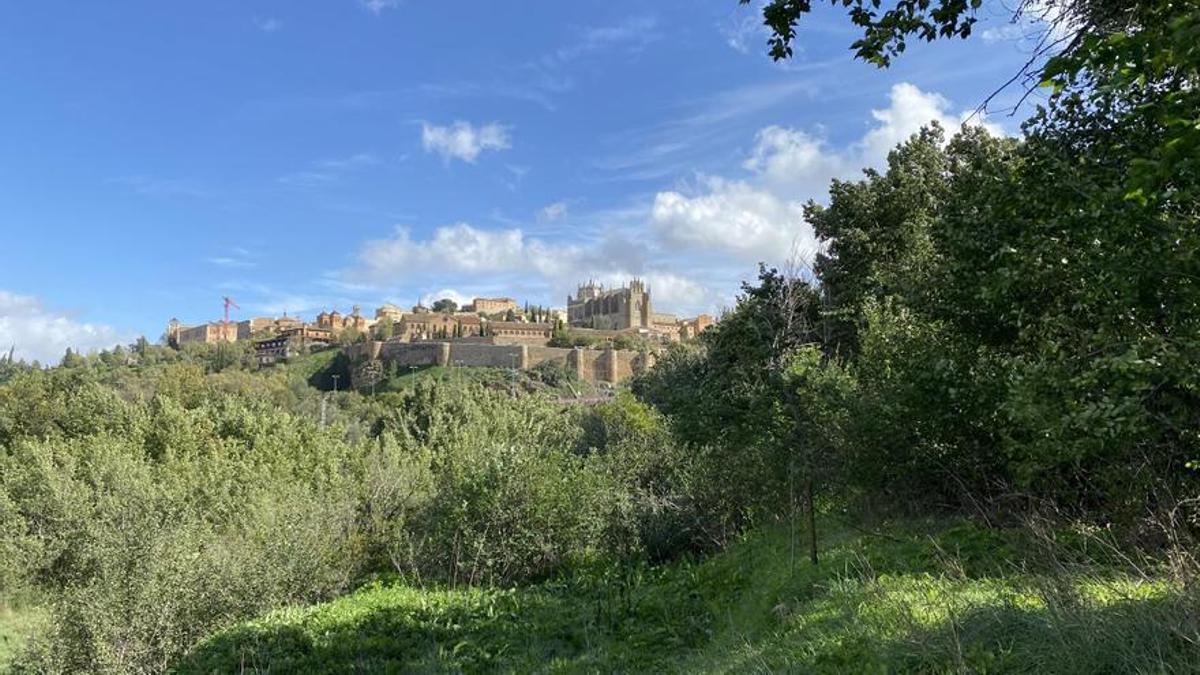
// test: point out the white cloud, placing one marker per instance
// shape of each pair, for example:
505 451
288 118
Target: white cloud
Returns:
460 248
459 299
908 111
672 292
733 217
1036 21
553 212
761 218
1055 17
804 163
1005 33
377 6
793 162
464 141
44 334
510 262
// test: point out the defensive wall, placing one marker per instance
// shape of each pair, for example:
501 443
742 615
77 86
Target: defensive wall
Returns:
593 365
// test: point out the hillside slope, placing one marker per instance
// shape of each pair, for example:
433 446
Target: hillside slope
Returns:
928 597
16 625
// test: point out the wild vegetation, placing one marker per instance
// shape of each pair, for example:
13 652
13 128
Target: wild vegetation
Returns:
932 596
964 438
151 502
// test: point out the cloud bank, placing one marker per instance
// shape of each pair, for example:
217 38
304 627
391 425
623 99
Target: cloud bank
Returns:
44 334
759 218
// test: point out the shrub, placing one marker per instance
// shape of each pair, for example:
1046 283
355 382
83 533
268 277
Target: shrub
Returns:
153 512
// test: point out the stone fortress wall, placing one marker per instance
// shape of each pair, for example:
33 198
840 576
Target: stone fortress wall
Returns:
593 365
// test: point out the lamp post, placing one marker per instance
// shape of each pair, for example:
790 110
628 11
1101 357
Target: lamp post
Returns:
335 379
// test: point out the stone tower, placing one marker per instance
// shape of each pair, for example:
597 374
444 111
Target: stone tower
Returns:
613 309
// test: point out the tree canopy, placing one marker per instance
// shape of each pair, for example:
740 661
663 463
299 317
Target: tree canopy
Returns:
445 305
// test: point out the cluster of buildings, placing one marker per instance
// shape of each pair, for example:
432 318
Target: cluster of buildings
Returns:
594 313
231 331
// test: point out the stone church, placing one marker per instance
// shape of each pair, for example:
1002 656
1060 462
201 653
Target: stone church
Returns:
619 308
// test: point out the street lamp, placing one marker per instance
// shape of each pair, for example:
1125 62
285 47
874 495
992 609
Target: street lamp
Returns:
335 379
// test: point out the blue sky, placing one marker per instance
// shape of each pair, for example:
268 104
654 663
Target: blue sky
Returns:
300 156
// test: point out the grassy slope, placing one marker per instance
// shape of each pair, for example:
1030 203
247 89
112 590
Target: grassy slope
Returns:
16 625
933 598
308 365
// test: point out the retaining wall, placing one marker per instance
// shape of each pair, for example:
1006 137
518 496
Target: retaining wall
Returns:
593 365
490 356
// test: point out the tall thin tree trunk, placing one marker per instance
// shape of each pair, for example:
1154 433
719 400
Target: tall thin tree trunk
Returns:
792 515
812 518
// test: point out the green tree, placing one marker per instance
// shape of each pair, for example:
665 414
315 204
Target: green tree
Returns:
445 305
727 398
385 329
71 359
1042 341
349 336
878 233
1076 270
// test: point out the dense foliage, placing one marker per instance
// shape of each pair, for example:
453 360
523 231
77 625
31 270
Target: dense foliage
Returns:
156 498
1001 321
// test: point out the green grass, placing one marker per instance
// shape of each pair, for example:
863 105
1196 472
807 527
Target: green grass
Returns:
308 365
928 597
16 627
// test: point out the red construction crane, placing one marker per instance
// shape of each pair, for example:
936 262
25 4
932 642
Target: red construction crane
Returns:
229 303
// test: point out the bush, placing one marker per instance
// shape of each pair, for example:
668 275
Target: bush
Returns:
153 509
147 543
555 374
503 513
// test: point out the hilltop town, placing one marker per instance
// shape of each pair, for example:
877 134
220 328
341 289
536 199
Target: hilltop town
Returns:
618 322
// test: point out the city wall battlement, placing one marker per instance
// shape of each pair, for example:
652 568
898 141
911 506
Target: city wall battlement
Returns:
593 365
